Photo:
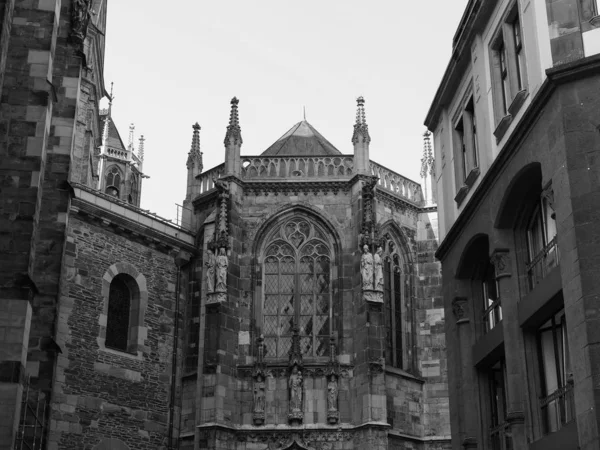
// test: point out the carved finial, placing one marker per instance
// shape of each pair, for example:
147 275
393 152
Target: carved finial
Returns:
130 140
110 98
141 148
427 166
360 127
233 130
195 155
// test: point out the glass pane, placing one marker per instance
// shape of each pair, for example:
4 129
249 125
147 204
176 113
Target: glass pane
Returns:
306 325
286 284
117 325
270 346
271 284
288 265
306 304
286 305
285 343
306 265
271 303
321 324
306 283
306 345
323 304
285 325
322 346
270 325
271 265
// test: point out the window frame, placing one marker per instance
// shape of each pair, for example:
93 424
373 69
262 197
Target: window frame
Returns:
316 236
539 243
492 311
394 281
466 145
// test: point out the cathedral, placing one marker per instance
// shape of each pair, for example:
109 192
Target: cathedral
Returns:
296 305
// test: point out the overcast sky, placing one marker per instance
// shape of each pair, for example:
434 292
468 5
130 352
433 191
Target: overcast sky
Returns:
176 66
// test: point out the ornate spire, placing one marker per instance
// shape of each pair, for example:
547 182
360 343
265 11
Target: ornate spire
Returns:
233 129
360 127
141 148
195 155
427 166
130 141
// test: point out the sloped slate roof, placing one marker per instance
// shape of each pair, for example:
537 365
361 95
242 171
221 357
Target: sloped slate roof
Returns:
301 140
114 137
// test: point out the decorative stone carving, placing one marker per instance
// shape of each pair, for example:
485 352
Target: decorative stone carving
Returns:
221 273
460 309
210 271
376 366
220 244
259 375
81 13
378 269
366 269
502 263
333 374
295 381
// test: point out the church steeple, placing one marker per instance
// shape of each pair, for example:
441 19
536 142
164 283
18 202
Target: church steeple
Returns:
233 141
194 161
361 138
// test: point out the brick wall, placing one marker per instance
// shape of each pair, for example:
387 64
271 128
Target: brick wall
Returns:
99 394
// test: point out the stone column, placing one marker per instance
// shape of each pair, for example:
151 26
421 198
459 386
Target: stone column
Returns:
15 322
513 345
469 413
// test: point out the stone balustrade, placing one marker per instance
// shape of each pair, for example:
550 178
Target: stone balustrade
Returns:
205 181
297 167
396 183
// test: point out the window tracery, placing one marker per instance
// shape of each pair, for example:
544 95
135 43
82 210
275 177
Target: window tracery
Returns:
113 181
297 289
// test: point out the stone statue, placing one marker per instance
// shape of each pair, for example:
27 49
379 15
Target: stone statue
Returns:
222 264
295 385
210 272
80 18
259 395
366 269
332 393
378 264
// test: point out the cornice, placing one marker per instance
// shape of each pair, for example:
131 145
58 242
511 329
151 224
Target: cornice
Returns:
555 77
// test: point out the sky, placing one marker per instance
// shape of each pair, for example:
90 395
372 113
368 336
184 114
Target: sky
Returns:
172 67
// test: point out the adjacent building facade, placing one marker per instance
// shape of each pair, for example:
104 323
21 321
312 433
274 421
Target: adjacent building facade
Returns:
299 308
516 124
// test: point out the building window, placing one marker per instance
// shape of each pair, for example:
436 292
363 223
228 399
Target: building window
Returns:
541 241
117 321
466 155
557 401
394 285
498 427
297 290
122 319
508 66
492 307
133 197
113 181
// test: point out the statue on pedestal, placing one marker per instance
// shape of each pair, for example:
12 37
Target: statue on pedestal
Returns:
366 269
210 271
222 264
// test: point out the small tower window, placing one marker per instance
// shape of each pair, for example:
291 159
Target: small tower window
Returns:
113 182
117 321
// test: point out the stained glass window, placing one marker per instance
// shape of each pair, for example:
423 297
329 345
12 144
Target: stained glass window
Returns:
117 321
297 290
394 287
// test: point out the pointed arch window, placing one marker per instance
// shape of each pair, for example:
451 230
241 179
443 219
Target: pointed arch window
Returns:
113 181
297 290
395 285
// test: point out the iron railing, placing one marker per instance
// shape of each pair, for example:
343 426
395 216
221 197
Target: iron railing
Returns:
501 437
558 408
543 263
32 426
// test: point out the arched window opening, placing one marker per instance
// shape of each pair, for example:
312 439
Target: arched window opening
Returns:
297 290
394 282
117 321
113 181
542 247
133 189
492 309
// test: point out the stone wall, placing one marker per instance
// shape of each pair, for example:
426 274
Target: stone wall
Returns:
102 393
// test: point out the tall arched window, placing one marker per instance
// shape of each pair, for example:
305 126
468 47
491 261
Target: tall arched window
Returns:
395 287
117 320
297 289
113 181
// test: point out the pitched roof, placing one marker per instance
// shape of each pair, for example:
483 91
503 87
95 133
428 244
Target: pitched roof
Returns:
114 137
301 140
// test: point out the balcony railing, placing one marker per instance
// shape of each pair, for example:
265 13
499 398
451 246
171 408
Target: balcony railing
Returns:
397 184
501 437
260 167
206 181
492 315
543 263
558 408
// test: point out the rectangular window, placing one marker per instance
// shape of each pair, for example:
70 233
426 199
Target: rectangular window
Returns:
541 242
498 427
491 301
508 67
466 154
556 401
